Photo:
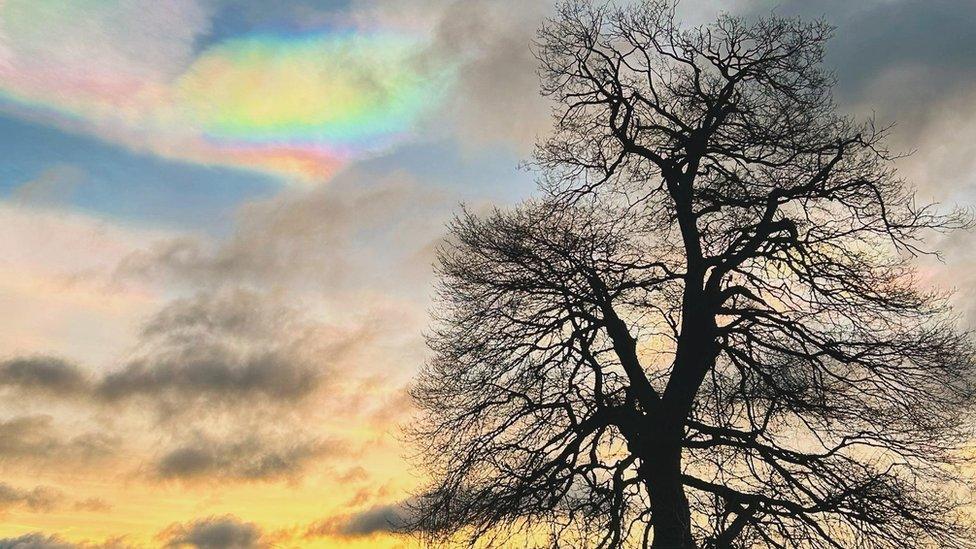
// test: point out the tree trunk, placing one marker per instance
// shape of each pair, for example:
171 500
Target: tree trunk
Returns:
694 355
662 467
669 506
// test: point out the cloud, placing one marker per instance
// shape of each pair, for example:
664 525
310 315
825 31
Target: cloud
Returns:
359 232
55 284
242 358
493 98
52 187
496 97
151 76
238 313
223 532
379 519
39 499
43 374
92 505
315 289
247 459
36 540
304 321
34 438
137 40
228 348
909 63
222 346
880 39
352 475
213 371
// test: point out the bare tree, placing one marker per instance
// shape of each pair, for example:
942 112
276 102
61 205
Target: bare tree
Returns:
707 332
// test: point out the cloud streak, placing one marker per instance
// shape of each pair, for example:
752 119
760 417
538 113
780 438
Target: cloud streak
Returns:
217 532
41 498
250 459
43 374
221 347
391 518
35 438
36 540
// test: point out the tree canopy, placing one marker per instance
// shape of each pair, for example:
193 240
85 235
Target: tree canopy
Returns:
707 329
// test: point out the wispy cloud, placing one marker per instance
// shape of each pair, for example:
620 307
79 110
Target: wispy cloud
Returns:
37 439
41 498
251 458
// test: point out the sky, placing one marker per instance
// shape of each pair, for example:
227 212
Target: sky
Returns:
217 226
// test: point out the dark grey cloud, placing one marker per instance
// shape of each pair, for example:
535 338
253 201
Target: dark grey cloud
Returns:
237 362
220 347
875 36
36 438
43 374
358 249
228 348
40 498
251 458
212 372
224 532
903 59
237 312
36 540
379 519
910 63
936 37
39 540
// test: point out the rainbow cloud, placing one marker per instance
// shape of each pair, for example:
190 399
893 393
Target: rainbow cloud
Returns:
298 104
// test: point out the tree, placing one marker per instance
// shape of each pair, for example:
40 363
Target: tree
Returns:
707 331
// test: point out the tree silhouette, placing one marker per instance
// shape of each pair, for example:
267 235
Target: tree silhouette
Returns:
707 332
